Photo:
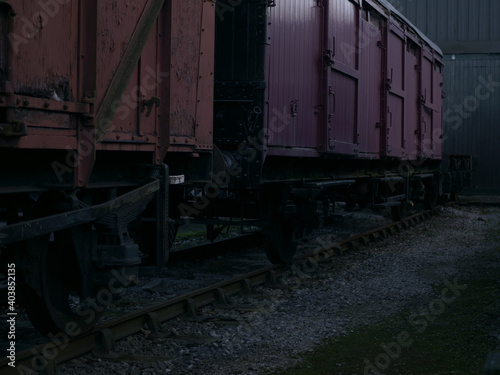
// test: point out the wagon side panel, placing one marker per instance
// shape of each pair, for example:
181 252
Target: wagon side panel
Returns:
117 21
370 114
412 102
431 104
44 57
39 75
396 95
177 57
437 97
342 41
294 76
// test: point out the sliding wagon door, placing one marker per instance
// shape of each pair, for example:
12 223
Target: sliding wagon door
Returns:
370 100
431 97
294 76
343 76
396 49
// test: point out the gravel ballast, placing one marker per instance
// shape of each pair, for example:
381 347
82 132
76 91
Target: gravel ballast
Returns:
272 328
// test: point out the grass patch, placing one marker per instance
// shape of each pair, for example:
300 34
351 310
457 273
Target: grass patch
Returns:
428 233
455 340
191 234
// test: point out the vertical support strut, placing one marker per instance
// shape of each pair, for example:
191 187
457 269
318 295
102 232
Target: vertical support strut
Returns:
162 230
86 149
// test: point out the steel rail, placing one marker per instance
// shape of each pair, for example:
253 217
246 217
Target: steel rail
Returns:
43 358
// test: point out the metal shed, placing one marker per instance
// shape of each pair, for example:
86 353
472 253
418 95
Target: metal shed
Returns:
472 115
469 35
457 26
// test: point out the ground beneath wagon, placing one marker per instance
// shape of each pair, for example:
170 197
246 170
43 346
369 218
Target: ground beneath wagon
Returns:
423 302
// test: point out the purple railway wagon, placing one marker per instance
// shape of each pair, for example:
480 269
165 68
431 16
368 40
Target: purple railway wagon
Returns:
320 101
357 81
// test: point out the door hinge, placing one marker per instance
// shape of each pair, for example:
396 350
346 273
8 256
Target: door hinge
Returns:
328 58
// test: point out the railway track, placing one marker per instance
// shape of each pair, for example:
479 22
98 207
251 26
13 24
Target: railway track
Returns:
44 358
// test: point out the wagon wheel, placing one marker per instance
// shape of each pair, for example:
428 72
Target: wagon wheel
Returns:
278 226
431 195
278 242
60 302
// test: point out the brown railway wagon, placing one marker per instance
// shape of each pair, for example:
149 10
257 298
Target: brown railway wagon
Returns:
95 96
97 76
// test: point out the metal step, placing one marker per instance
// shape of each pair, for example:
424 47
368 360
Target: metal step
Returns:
396 198
388 179
330 183
340 215
388 204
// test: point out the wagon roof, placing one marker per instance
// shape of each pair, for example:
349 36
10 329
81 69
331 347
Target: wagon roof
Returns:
396 12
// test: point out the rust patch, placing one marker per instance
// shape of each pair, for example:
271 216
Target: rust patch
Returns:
50 88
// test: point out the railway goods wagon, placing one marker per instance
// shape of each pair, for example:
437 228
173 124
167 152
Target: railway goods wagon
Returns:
322 101
95 98
268 111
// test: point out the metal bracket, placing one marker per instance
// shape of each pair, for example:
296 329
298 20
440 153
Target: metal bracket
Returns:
328 58
38 227
13 129
28 102
293 107
150 104
162 220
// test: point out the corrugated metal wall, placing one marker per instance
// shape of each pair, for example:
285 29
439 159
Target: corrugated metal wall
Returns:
468 31
472 115
457 26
